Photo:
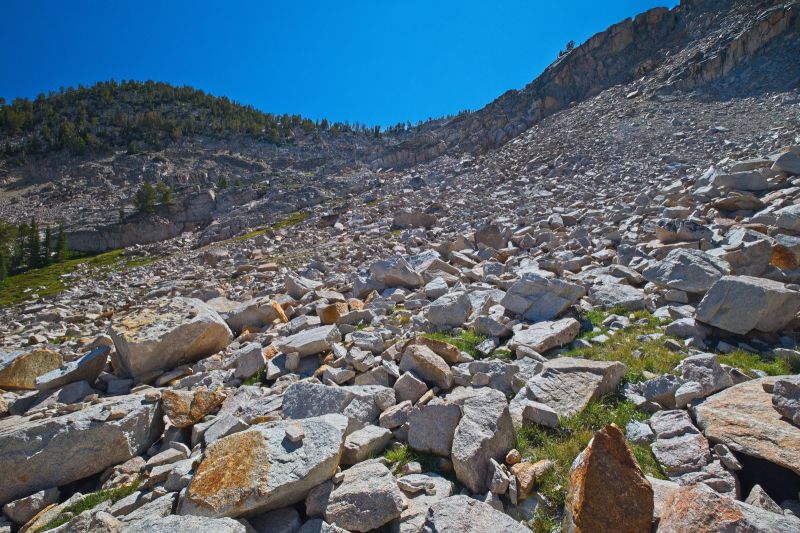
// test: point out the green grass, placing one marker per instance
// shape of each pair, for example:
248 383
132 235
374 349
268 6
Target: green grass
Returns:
467 341
250 234
376 201
49 280
401 455
562 446
90 501
259 378
746 361
623 344
292 219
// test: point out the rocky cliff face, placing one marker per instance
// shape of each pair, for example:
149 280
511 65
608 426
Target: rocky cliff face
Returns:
692 46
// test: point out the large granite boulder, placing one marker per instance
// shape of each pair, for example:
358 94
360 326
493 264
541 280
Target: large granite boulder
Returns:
367 498
165 334
688 270
484 432
462 514
544 336
607 489
261 469
81 444
739 304
311 341
743 418
537 298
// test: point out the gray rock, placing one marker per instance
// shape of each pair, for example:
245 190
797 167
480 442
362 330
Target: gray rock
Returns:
688 270
259 470
679 447
22 510
361 404
409 387
298 286
759 498
247 360
788 218
661 390
537 298
610 295
431 427
788 162
786 398
366 499
421 491
286 520
396 272
639 433
364 443
739 304
567 385
705 370
311 341
182 524
165 334
82 443
484 432
462 514
422 361
544 336
87 368
253 314
741 181
450 310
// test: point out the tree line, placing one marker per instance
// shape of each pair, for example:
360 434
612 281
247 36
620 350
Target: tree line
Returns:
23 247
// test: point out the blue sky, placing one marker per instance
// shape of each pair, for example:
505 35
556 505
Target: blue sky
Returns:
375 62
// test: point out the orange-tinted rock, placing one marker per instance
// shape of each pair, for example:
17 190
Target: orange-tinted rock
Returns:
20 370
607 490
186 408
330 314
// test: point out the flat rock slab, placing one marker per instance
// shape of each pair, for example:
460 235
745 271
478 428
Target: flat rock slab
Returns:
166 333
545 336
568 384
259 469
19 370
311 341
39 454
537 298
744 419
462 514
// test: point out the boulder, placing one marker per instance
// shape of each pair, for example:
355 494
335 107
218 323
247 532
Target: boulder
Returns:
567 385
431 427
484 432
462 514
788 162
610 295
450 310
698 509
367 498
743 418
361 404
687 270
364 443
537 298
186 408
422 361
396 272
259 469
607 489
181 524
22 510
739 304
421 491
81 443
311 341
253 314
87 368
679 446
741 181
786 398
165 334
544 336
298 286
19 370
413 218
788 218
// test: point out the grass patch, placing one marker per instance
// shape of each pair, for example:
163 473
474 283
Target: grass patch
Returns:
399 456
466 341
292 219
90 501
624 345
250 234
376 201
769 364
502 353
50 280
259 378
562 446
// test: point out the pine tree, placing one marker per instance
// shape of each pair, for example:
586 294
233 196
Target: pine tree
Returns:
47 246
165 193
34 246
62 244
145 199
222 182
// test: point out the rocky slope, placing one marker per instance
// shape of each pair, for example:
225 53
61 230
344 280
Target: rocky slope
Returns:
593 327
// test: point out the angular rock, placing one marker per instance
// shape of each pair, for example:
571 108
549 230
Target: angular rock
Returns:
311 341
739 304
450 310
786 398
364 443
19 370
679 446
361 404
396 272
610 295
544 336
81 443
182 524
259 470
423 362
607 489
687 270
431 427
537 298
367 498
165 334
421 491
186 408
22 510
87 368
462 514
253 314
743 418
484 432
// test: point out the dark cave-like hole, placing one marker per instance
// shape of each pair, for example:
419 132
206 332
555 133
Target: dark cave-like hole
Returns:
780 483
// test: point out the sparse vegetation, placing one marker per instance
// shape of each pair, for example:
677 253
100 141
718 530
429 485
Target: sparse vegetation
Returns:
259 378
563 445
90 501
466 341
292 219
770 365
